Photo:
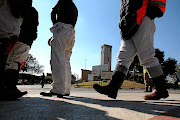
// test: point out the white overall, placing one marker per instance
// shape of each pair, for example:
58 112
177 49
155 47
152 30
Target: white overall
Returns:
18 55
9 25
141 44
61 50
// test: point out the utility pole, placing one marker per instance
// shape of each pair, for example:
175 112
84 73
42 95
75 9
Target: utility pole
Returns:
134 70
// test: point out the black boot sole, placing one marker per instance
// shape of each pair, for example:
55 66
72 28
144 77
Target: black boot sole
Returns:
50 94
10 96
109 92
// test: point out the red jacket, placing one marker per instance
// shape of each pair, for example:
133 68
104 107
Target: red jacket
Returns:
132 12
161 4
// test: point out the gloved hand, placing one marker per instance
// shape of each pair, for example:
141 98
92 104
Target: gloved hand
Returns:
153 12
50 40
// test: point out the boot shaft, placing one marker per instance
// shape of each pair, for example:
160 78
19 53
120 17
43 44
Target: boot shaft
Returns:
11 79
159 82
111 90
4 44
3 58
117 79
160 87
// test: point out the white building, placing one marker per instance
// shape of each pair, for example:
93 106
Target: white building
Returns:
106 53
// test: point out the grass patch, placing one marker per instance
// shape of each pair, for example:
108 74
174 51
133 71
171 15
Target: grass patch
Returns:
126 84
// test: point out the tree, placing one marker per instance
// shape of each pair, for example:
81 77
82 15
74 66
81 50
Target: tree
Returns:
169 66
160 55
32 66
178 67
178 71
137 64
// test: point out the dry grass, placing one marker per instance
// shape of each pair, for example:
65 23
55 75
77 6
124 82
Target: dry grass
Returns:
126 84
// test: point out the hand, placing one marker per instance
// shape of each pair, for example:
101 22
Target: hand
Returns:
50 40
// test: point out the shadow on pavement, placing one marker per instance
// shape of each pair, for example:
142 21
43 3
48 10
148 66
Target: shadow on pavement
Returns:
29 108
164 107
48 109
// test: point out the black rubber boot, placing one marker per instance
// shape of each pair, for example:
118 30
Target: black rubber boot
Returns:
3 58
11 81
150 89
4 92
146 89
160 89
111 90
50 94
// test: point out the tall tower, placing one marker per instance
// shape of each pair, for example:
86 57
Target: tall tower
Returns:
106 53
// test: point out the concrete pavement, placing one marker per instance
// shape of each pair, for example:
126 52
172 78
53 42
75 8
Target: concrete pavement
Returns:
86 104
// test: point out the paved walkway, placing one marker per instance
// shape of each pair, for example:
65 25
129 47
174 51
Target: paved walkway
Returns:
86 104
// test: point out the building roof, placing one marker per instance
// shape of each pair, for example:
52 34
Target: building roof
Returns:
106 45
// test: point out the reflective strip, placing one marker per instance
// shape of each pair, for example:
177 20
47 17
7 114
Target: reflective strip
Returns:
21 65
142 11
144 70
157 3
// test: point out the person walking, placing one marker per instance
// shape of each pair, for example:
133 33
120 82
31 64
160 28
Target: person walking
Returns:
43 80
64 16
137 31
147 81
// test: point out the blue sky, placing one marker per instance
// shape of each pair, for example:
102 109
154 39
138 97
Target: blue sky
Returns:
97 25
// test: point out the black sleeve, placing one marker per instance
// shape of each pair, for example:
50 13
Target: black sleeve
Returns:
54 13
153 12
75 10
53 16
19 7
35 23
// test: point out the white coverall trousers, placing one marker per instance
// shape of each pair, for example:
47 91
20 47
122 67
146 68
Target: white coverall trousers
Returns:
141 44
17 56
61 50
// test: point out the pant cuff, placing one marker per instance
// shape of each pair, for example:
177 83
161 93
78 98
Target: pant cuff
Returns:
155 71
121 68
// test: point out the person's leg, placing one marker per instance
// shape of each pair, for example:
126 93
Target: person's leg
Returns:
151 84
58 68
148 85
148 82
125 58
68 54
6 47
144 42
3 58
160 90
17 56
145 81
